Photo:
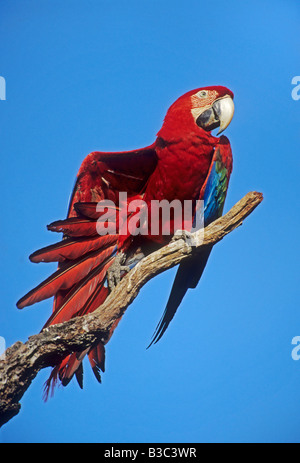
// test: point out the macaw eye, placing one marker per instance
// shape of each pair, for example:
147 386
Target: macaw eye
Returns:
202 94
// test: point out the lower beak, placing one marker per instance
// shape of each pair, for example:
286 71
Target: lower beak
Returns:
219 114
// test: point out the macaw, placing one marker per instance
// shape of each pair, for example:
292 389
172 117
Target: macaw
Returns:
186 162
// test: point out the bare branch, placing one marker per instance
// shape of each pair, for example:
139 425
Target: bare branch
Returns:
22 361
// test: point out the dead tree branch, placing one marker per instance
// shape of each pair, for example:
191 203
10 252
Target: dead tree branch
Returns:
22 361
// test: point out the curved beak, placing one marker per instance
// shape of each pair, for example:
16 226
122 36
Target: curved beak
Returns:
219 114
225 110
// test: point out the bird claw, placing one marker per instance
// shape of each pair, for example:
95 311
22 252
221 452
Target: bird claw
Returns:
184 235
115 271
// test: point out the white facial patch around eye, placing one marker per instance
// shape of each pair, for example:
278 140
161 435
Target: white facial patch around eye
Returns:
198 100
200 104
197 111
202 94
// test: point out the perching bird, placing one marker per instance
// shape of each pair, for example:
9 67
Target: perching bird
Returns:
186 162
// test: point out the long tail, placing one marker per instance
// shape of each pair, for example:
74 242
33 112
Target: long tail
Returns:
187 276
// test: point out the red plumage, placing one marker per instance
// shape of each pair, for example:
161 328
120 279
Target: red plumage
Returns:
175 166
71 249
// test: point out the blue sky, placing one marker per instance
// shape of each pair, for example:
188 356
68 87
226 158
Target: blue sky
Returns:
99 75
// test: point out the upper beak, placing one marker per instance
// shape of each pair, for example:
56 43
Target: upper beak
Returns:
225 110
219 114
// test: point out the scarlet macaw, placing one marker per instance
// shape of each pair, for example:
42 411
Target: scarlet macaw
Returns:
186 162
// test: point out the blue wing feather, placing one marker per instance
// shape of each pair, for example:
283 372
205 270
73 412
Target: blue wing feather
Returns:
215 193
190 271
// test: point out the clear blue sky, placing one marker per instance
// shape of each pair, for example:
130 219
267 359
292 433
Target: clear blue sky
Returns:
99 75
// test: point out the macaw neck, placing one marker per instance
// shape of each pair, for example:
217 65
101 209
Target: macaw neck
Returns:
185 130
182 167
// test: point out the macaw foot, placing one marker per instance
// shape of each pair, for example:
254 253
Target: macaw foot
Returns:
116 270
184 235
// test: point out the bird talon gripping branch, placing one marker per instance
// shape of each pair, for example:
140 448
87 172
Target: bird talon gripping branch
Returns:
116 271
184 235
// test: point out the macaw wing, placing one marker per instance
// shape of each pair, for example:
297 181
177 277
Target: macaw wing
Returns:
213 193
103 175
84 256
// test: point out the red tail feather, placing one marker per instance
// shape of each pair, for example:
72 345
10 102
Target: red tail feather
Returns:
68 275
74 227
97 360
90 210
70 249
81 292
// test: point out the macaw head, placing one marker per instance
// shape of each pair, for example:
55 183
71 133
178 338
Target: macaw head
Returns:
203 109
